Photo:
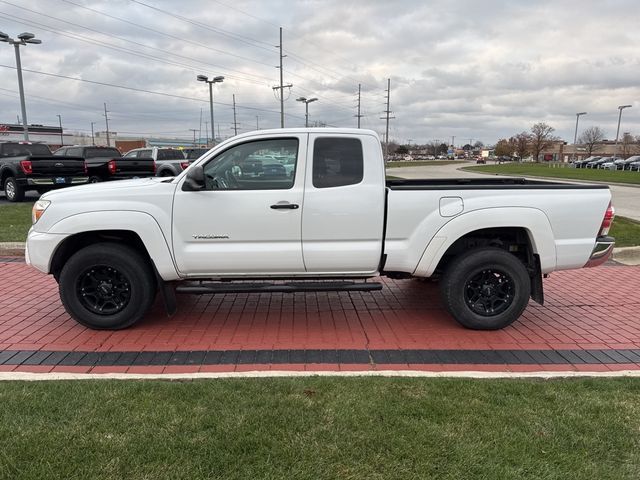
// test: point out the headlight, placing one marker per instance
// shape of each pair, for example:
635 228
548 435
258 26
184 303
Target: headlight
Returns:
38 209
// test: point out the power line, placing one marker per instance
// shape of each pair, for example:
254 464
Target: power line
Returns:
140 90
165 34
76 36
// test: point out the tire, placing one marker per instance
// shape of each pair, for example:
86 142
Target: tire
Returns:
107 286
166 173
12 191
94 179
486 288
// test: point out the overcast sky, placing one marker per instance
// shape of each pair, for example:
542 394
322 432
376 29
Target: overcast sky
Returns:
478 70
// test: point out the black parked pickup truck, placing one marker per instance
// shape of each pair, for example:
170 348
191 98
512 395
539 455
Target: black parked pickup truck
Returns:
31 166
107 163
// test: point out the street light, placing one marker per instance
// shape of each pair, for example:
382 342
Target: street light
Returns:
219 79
61 139
306 108
620 108
23 39
575 135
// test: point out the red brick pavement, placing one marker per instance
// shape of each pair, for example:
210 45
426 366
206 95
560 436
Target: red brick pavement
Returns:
585 309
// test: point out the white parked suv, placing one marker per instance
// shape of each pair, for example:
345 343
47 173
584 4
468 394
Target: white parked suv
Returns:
333 224
169 161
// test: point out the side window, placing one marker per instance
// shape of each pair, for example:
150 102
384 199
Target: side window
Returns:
74 152
337 162
144 154
60 151
133 154
254 166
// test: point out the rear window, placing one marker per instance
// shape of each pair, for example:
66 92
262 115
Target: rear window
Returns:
170 154
102 152
17 149
337 162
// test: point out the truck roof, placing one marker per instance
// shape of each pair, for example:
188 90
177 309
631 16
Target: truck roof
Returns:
319 130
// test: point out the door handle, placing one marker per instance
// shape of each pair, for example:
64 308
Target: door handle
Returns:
285 206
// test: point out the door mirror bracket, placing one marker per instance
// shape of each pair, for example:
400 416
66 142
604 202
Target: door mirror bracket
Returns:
194 180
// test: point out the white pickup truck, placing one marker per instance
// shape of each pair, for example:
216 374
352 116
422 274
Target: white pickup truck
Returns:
234 223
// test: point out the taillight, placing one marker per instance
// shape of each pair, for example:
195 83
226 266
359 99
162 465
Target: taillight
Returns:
184 165
112 167
154 167
86 169
609 215
26 166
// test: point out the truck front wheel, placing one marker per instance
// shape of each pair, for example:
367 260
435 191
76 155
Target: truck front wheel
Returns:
107 286
486 288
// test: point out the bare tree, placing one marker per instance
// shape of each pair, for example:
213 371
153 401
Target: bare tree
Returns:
630 145
521 144
592 139
541 138
478 145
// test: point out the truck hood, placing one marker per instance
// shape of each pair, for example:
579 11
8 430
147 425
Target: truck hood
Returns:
97 190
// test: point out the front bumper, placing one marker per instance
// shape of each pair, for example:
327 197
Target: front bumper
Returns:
601 251
40 248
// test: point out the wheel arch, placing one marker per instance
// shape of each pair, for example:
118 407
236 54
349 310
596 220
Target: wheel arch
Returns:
141 232
524 225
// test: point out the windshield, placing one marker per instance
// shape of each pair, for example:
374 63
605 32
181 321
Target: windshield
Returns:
103 152
17 149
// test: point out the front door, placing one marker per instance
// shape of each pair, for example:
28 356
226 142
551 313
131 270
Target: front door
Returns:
247 220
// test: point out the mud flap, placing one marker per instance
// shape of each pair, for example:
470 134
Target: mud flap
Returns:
537 291
168 294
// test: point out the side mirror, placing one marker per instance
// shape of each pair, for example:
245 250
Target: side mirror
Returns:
194 180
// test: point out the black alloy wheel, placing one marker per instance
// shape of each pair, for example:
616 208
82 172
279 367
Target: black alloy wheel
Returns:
103 290
489 292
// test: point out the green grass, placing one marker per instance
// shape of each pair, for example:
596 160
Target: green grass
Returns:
564 172
15 221
422 163
626 232
322 428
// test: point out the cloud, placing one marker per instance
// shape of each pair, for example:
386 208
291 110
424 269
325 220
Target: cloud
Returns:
482 70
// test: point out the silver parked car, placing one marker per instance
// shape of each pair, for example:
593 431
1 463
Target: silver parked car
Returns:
169 161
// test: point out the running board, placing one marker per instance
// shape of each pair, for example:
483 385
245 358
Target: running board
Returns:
289 287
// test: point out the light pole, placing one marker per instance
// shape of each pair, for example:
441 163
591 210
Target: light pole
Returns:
93 139
204 78
23 39
306 102
60 122
620 108
575 135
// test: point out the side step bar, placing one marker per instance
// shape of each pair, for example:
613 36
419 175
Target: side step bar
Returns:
203 288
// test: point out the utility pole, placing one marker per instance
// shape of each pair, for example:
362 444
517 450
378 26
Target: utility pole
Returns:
282 85
388 112
200 130
453 139
257 122
106 120
60 122
93 139
194 130
235 124
359 116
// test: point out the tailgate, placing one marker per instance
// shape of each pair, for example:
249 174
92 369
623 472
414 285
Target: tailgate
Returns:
53 166
135 166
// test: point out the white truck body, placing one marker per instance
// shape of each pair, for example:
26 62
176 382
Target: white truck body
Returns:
358 230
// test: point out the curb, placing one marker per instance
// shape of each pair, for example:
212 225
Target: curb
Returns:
624 255
546 375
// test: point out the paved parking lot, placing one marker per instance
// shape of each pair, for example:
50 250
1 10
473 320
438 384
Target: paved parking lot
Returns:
590 322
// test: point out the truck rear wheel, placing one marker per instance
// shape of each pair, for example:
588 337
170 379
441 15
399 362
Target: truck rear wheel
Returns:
107 286
12 191
486 288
